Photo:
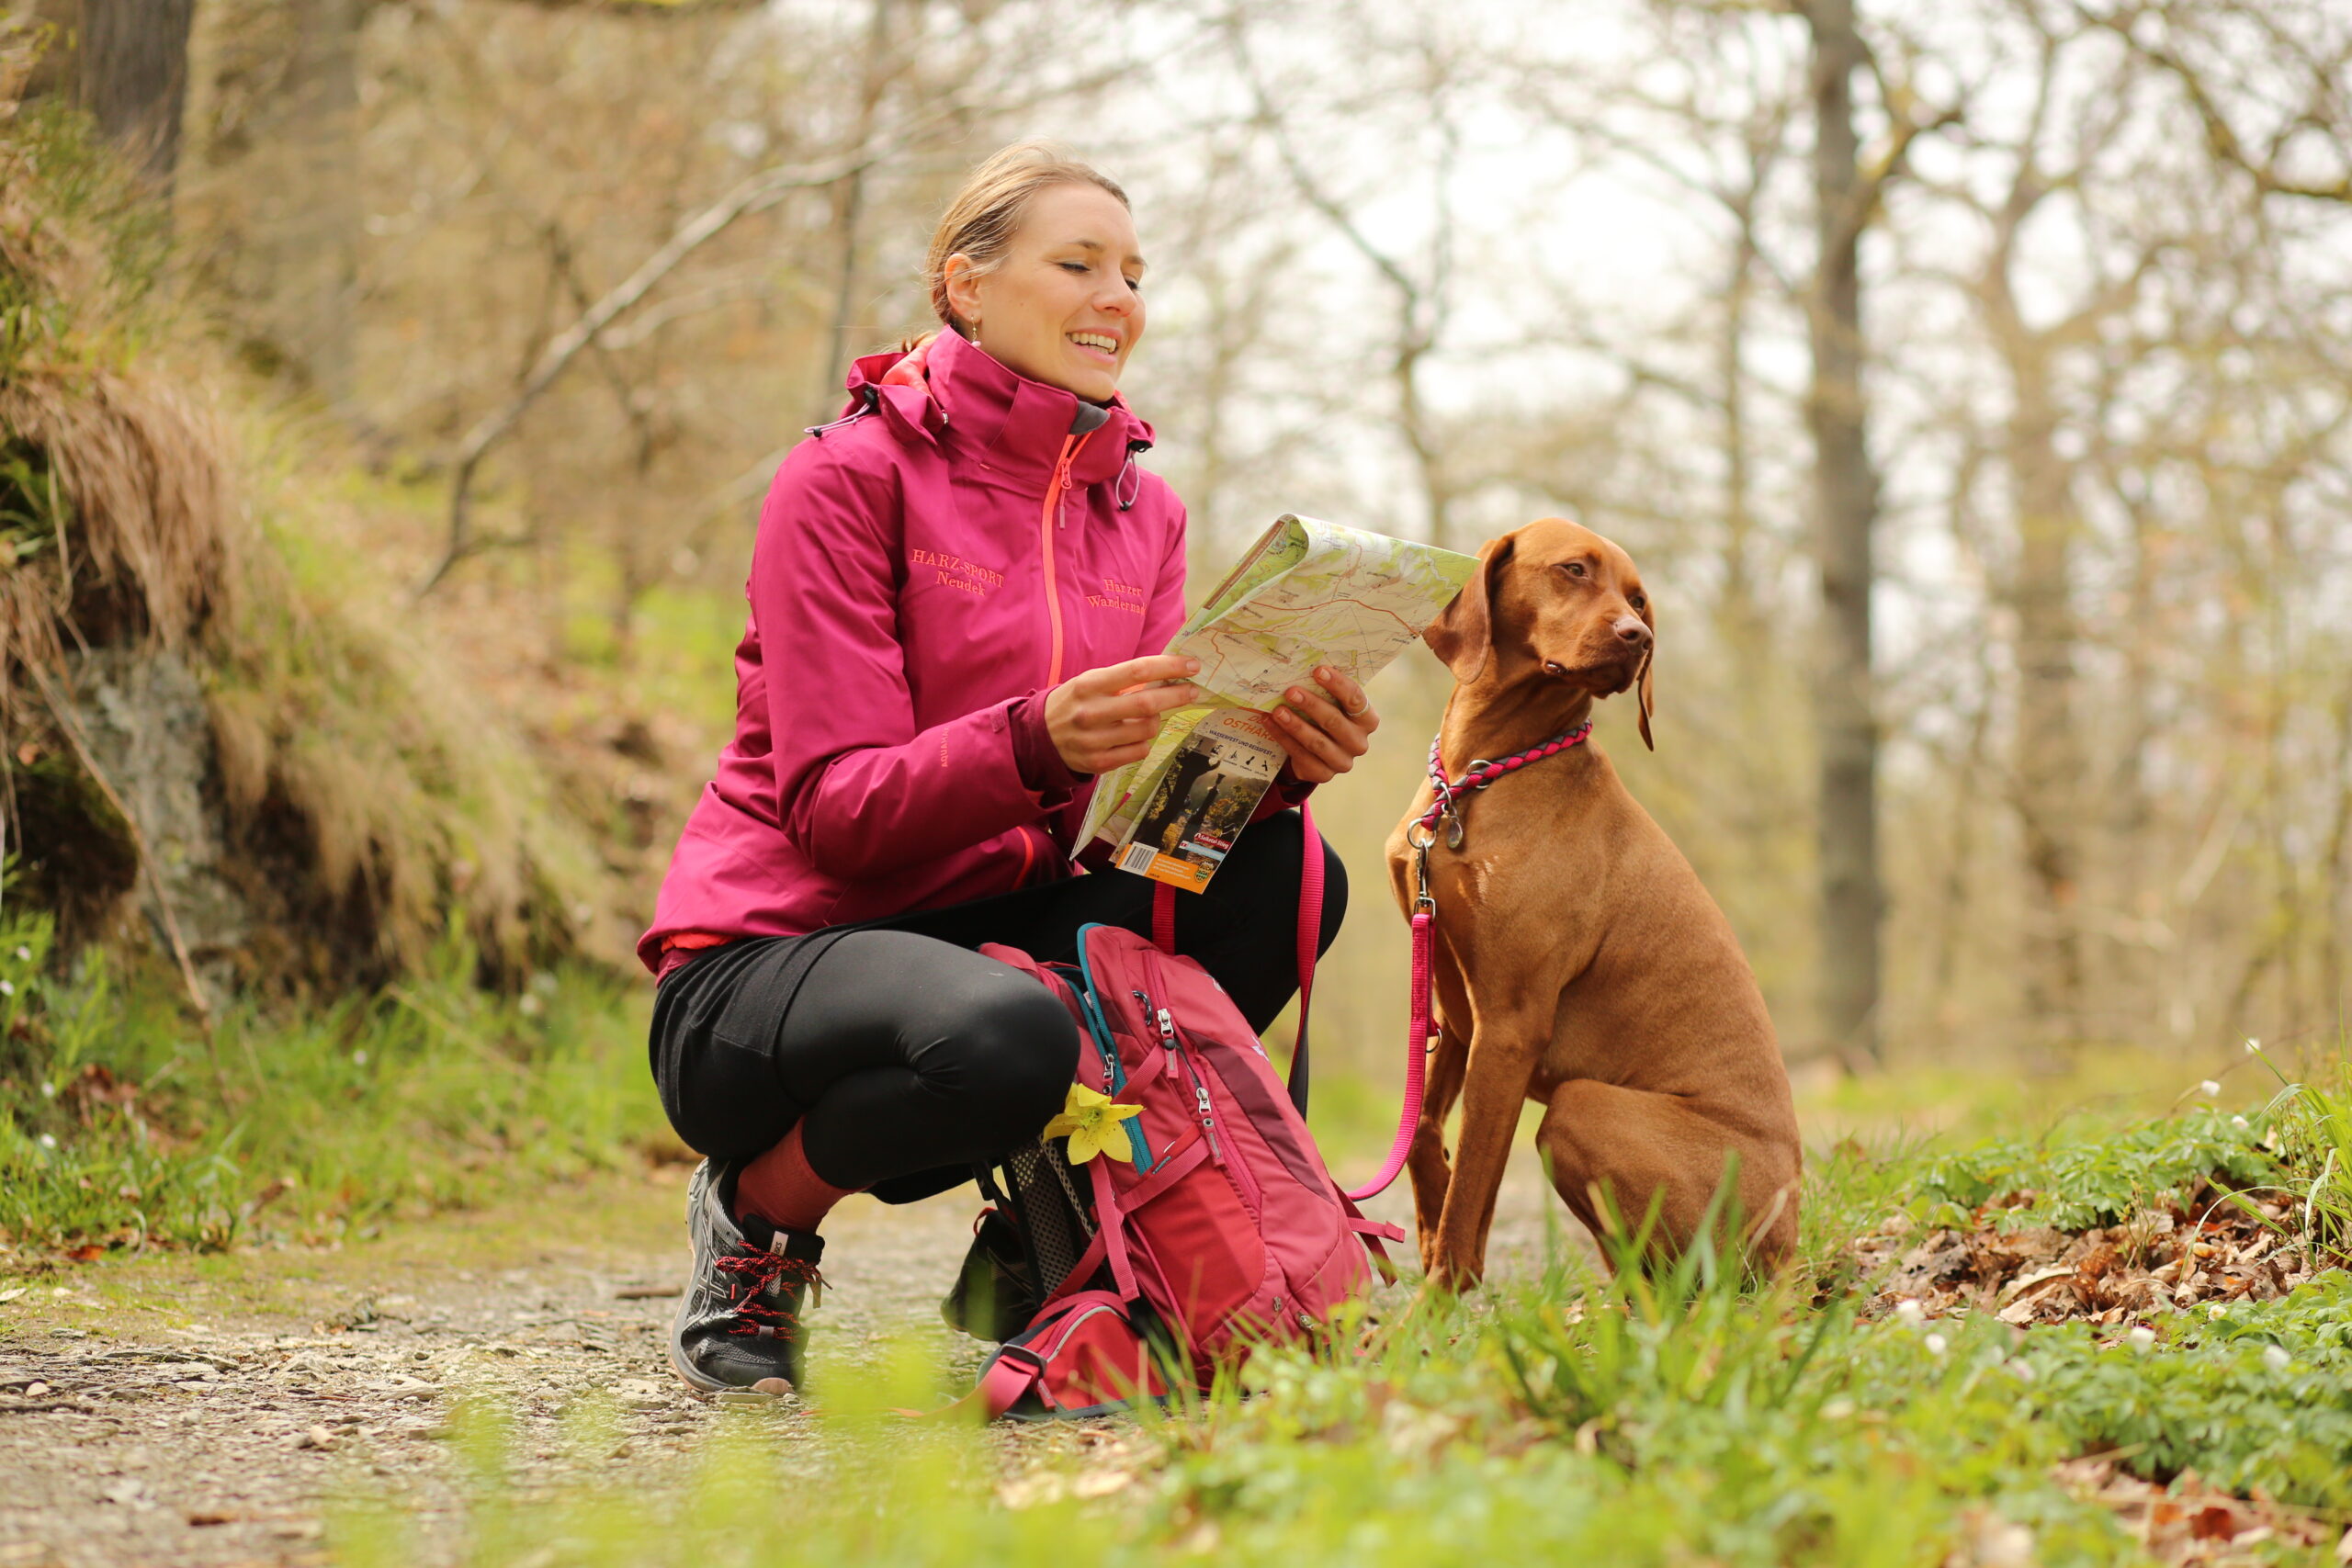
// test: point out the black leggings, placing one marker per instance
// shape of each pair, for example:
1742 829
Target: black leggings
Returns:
907 1056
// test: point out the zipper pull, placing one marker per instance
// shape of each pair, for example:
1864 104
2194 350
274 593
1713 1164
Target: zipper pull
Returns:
1201 1091
1166 1032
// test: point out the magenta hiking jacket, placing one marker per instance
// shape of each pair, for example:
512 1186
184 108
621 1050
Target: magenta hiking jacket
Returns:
926 569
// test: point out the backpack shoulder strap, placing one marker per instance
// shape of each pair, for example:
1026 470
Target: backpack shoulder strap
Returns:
1310 937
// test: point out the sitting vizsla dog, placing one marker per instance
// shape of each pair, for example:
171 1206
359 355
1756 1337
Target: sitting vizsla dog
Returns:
1578 960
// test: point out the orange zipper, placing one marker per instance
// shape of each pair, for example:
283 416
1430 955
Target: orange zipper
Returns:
1048 520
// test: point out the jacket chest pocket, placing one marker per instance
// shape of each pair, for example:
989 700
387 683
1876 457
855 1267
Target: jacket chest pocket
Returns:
1110 587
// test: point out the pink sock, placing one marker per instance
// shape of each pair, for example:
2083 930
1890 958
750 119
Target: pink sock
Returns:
783 1189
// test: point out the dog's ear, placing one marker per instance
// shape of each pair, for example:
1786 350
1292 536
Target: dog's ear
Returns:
1463 636
1641 691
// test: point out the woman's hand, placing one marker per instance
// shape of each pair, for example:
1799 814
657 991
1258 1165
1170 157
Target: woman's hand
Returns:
1106 718
1326 731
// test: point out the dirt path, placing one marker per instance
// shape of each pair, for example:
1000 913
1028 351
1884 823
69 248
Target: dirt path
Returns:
179 1410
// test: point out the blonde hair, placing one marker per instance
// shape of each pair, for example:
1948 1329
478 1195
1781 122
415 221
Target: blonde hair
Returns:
980 222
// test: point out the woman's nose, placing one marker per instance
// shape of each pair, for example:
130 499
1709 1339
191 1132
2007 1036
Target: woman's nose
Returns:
1630 630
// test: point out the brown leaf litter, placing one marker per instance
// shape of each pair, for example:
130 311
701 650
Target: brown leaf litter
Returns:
2213 1249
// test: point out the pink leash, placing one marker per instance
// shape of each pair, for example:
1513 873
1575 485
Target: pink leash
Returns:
1417 1060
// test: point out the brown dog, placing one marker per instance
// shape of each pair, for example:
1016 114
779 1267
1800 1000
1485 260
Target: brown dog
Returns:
1579 962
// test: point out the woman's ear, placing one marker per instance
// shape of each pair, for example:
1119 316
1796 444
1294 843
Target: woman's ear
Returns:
1463 636
1642 693
962 284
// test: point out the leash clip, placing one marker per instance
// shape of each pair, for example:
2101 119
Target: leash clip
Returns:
1419 836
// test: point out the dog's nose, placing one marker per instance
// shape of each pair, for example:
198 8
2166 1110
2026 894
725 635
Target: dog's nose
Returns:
1630 629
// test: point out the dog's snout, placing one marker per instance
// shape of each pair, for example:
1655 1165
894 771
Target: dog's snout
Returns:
1629 629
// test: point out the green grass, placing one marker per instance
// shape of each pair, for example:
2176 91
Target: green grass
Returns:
124 1127
1665 1422
1680 1417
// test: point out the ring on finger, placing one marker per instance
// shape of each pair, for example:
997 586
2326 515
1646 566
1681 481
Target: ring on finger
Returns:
1360 708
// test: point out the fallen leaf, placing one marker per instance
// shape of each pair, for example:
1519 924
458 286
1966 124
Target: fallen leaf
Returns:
1101 1483
2216 1521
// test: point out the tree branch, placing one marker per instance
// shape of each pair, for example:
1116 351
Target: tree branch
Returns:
755 194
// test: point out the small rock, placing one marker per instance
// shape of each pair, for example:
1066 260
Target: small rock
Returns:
317 1438
35 1390
755 1395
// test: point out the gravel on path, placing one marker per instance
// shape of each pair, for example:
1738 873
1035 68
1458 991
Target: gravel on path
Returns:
209 1411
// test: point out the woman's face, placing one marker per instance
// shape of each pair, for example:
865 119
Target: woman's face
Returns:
1066 306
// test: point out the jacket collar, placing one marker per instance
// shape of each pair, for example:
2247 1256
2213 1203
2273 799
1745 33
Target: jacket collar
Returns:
948 391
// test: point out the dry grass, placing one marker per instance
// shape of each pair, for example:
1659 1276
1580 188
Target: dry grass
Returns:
143 505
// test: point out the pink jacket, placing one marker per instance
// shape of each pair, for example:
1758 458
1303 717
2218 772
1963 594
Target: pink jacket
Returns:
925 570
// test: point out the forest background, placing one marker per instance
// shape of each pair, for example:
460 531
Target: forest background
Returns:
1971 383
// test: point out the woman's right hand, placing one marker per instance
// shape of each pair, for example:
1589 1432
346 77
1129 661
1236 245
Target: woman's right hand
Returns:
1106 718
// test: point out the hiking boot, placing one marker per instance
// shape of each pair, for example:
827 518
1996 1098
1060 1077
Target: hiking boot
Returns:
738 1324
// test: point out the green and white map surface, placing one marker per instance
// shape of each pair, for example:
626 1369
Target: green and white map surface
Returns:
1308 594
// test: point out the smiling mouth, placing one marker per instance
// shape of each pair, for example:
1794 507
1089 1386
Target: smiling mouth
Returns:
1102 344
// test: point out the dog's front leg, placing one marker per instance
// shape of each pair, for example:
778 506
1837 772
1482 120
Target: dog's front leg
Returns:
1501 1061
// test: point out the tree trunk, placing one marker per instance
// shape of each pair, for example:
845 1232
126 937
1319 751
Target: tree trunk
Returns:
131 75
849 213
280 191
1845 506
2049 763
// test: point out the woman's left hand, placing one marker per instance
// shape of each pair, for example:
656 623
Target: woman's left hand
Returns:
1324 731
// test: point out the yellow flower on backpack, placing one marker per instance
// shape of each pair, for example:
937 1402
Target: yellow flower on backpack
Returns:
1094 1123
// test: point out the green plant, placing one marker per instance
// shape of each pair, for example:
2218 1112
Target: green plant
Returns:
2314 1118
121 1126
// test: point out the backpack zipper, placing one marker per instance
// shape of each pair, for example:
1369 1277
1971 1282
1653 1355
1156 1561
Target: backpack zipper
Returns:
1203 1108
1167 1031
1236 1170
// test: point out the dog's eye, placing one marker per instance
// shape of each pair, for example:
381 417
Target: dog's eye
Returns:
1636 600
1573 568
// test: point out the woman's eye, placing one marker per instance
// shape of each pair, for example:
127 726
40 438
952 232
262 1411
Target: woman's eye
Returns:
1074 267
1135 284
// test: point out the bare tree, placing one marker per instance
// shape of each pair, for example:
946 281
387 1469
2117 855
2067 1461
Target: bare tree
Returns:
131 75
1420 289
1846 489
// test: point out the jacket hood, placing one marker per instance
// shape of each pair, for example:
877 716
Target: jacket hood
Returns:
945 391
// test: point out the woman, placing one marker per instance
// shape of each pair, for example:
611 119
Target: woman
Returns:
959 595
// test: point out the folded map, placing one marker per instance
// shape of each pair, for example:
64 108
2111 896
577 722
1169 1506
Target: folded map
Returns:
1307 594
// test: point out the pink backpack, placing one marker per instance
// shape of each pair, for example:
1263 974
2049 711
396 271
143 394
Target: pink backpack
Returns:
1222 1232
